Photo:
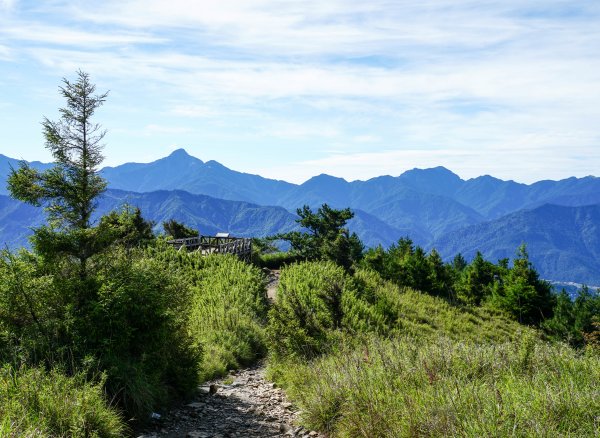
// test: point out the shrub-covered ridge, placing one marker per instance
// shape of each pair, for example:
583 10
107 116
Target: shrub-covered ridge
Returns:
394 362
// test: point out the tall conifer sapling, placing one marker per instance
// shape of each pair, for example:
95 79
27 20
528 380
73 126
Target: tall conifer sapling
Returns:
68 190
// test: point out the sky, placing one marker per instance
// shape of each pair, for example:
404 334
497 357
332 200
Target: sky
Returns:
290 89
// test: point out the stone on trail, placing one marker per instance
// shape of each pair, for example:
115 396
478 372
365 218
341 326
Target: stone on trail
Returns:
250 407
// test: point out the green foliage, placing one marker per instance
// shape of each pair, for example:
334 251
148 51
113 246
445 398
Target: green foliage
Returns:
410 266
177 230
69 189
227 306
325 238
228 313
318 302
264 245
127 227
408 386
308 309
516 290
573 319
127 317
522 293
276 260
35 403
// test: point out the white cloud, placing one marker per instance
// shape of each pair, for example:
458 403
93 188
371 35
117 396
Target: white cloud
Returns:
5 53
77 38
7 5
460 75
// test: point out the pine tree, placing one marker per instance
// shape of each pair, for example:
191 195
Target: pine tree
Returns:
325 237
69 190
178 230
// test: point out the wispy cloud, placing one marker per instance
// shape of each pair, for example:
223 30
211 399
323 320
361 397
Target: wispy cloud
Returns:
59 35
422 81
7 5
4 53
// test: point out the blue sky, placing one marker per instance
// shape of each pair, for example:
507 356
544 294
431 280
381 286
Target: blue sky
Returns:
290 89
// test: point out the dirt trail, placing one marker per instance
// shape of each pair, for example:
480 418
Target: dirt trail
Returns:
241 405
272 283
244 404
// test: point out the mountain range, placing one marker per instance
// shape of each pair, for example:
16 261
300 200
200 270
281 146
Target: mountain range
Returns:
435 207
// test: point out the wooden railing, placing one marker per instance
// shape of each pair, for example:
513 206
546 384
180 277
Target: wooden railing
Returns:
241 247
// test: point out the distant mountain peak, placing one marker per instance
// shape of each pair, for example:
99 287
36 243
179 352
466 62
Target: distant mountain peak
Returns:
180 156
438 170
437 180
179 153
325 177
215 164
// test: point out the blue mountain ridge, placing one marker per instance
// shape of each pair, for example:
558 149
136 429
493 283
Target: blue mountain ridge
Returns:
432 206
563 242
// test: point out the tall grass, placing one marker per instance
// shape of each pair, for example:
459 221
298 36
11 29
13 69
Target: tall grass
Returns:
318 301
401 363
406 387
226 307
228 314
35 403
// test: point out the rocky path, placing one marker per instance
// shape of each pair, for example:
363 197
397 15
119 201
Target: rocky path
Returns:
272 283
241 405
244 404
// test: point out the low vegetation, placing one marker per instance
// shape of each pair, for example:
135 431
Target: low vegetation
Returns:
227 307
36 403
382 361
406 386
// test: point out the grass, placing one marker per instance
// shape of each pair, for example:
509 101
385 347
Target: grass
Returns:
405 364
228 314
275 260
226 305
35 403
407 387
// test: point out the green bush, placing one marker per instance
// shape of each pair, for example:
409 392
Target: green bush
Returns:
318 301
308 309
137 328
227 304
228 313
35 403
276 260
126 318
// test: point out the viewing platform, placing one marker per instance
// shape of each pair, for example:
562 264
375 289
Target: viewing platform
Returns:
222 243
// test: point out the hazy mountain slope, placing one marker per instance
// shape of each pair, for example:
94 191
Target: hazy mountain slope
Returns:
421 215
563 242
209 215
436 180
318 190
426 214
205 213
373 231
6 163
16 219
493 197
180 171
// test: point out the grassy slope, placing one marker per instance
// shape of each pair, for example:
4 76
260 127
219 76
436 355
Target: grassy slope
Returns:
35 403
443 371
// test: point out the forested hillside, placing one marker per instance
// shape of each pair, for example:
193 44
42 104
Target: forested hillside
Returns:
564 241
